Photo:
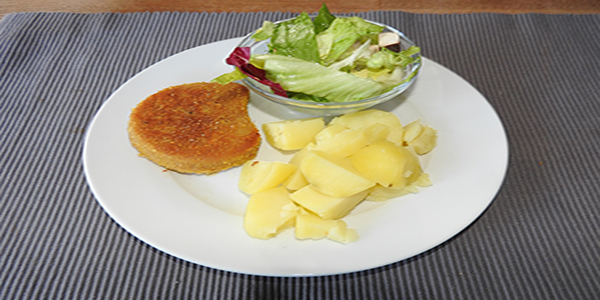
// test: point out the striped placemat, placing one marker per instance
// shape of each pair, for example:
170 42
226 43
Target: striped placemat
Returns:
538 240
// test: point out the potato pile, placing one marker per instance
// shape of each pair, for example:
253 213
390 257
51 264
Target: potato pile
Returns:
367 155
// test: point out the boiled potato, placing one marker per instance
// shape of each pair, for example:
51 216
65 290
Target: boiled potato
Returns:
298 156
333 175
344 143
325 206
297 181
269 212
309 226
342 234
387 164
377 132
348 141
257 176
364 118
329 131
380 193
396 135
292 134
420 137
423 180
367 155
412 130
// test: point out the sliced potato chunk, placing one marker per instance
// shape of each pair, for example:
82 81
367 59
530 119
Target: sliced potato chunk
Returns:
295 181
344 143
269 212
325 206
387 164
379 193
377 132
412 130
329 132
420 137
292 134
396 135
309 226
364 118
257 176
333 175
342 234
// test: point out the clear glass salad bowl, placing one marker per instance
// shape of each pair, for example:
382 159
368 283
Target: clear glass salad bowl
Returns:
331 108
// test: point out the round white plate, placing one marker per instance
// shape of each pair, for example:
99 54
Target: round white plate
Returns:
199 218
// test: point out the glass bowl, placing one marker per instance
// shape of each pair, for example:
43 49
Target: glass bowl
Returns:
331 108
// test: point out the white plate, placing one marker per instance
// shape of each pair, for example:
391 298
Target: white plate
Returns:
199 218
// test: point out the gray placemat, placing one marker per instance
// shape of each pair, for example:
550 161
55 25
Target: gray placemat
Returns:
538 240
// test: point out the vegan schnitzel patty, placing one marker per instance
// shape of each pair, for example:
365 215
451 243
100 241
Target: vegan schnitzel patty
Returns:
199 127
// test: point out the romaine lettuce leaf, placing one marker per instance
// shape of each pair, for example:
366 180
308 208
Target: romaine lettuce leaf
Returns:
306 97
240 58
362 51
323 19
341 34
232 76
265 32
389 59
299 76
386 77
296 38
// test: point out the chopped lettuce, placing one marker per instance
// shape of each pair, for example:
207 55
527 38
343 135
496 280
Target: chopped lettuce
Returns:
296 38
342 34
299 76
328 59
389 59
363 51
240 58
265 32
306 97
323 19
383 76
232 76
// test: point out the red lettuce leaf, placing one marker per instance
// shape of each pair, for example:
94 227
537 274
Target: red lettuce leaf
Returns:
240 58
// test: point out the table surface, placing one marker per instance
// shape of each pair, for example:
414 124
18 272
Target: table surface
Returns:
537 240
337 6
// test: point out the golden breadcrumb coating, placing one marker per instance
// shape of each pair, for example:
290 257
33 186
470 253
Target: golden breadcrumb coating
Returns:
195 128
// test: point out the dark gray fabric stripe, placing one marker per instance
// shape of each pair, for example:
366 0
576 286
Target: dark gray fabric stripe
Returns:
538 240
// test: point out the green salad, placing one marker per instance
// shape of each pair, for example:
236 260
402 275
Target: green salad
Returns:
325 59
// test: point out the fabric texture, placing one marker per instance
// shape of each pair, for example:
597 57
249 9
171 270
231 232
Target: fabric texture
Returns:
538 240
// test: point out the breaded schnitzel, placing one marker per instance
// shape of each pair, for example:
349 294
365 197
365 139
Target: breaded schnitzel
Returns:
195 128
